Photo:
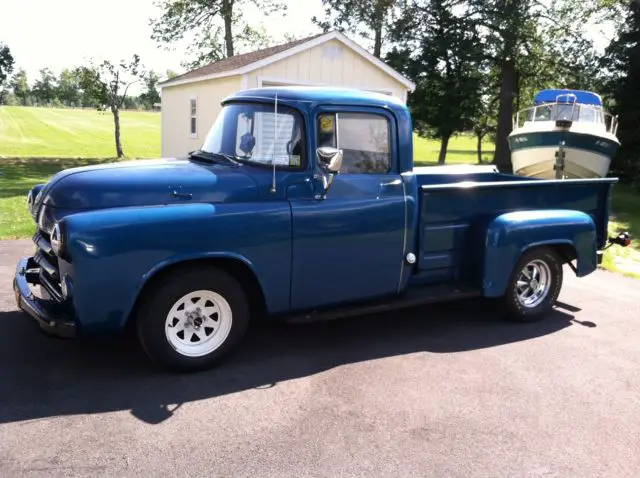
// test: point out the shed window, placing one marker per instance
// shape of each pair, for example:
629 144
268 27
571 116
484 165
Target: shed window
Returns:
193 118
363 137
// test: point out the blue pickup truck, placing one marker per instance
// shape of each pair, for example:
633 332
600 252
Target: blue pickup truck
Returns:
302 203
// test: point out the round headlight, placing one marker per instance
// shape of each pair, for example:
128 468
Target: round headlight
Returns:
57 240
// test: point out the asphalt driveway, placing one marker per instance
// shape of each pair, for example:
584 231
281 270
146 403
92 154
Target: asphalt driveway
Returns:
444 390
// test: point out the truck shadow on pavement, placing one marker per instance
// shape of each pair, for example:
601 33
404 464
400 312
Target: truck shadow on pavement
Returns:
45 377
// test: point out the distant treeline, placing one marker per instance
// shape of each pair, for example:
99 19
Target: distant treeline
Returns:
70 90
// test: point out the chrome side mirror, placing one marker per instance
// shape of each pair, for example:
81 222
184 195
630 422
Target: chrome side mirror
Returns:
330 159
330 162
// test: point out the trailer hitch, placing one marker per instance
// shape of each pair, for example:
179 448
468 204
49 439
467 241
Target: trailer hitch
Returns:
623 239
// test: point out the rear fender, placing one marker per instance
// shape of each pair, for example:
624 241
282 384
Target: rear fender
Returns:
509 235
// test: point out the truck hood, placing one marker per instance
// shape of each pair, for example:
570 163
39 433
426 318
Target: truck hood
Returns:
146 182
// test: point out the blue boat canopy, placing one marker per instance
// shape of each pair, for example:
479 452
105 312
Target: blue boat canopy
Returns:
563 96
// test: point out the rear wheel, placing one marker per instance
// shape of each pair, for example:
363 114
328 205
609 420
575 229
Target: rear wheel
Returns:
534 285
192 319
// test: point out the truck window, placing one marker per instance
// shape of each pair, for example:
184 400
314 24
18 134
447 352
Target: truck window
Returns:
364 138
253 134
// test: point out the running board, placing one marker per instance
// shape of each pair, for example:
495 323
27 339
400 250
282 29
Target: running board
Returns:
411 298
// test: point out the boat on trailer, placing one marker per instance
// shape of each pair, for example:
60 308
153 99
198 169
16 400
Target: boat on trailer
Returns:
565 134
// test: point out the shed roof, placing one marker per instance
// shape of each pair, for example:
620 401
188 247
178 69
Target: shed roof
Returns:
246 62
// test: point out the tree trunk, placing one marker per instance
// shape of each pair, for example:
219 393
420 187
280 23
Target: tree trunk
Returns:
443 148
227 15
479 136
377 44
380 11
116 122
508 87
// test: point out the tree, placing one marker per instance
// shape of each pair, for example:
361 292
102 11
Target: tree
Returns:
527 41
209 47
130 103
20 86
217 25
508 26
150 95
484 121
370 19
92 91
622 62
108 83
68 90
6 63
44 88
441 53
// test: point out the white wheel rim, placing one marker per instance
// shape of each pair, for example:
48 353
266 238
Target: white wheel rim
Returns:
533 283
198 323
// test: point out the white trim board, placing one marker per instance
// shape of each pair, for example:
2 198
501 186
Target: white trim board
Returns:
334 35
290 82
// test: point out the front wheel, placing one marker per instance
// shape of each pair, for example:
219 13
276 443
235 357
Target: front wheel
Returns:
534 285
192 319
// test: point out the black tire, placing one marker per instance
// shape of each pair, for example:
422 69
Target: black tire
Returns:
158 302
518 311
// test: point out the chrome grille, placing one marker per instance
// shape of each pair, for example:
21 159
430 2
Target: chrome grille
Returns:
48 262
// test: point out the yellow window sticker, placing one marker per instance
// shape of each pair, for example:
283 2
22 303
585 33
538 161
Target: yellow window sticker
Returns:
326 124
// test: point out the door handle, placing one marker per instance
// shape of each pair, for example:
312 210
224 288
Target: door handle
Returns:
179 195
392 188
395 182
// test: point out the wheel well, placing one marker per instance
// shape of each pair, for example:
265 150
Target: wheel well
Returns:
236 268
566 252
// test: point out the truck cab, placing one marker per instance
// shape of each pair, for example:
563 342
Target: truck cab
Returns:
301 203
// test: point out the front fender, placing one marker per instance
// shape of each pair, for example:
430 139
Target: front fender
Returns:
114 252
509 235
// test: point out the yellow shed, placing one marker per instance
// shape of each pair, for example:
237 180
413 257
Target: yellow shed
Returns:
191 102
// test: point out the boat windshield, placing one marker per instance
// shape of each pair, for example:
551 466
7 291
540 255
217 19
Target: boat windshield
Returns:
571 112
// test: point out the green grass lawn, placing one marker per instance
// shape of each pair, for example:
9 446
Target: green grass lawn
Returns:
75 133
461 150
625 206
17 177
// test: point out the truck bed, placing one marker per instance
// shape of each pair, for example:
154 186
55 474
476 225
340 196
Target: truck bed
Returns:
456 208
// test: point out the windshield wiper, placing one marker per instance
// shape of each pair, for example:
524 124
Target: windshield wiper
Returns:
199 154
211 157
228 157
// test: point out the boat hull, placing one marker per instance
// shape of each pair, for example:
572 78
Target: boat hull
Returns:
533 153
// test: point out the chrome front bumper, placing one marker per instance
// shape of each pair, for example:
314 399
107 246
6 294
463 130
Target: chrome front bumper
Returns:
50 315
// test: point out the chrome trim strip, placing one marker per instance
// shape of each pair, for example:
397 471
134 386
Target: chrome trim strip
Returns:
50 288
42 243
516 184
45 265
404 240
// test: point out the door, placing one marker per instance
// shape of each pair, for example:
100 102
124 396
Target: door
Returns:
350 245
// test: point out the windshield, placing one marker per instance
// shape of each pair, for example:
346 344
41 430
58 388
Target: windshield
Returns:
252 133
552 112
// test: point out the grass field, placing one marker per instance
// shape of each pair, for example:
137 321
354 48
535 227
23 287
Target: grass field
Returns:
625 206
75 133
35 143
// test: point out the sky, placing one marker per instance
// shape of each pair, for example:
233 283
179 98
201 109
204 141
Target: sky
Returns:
66 33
